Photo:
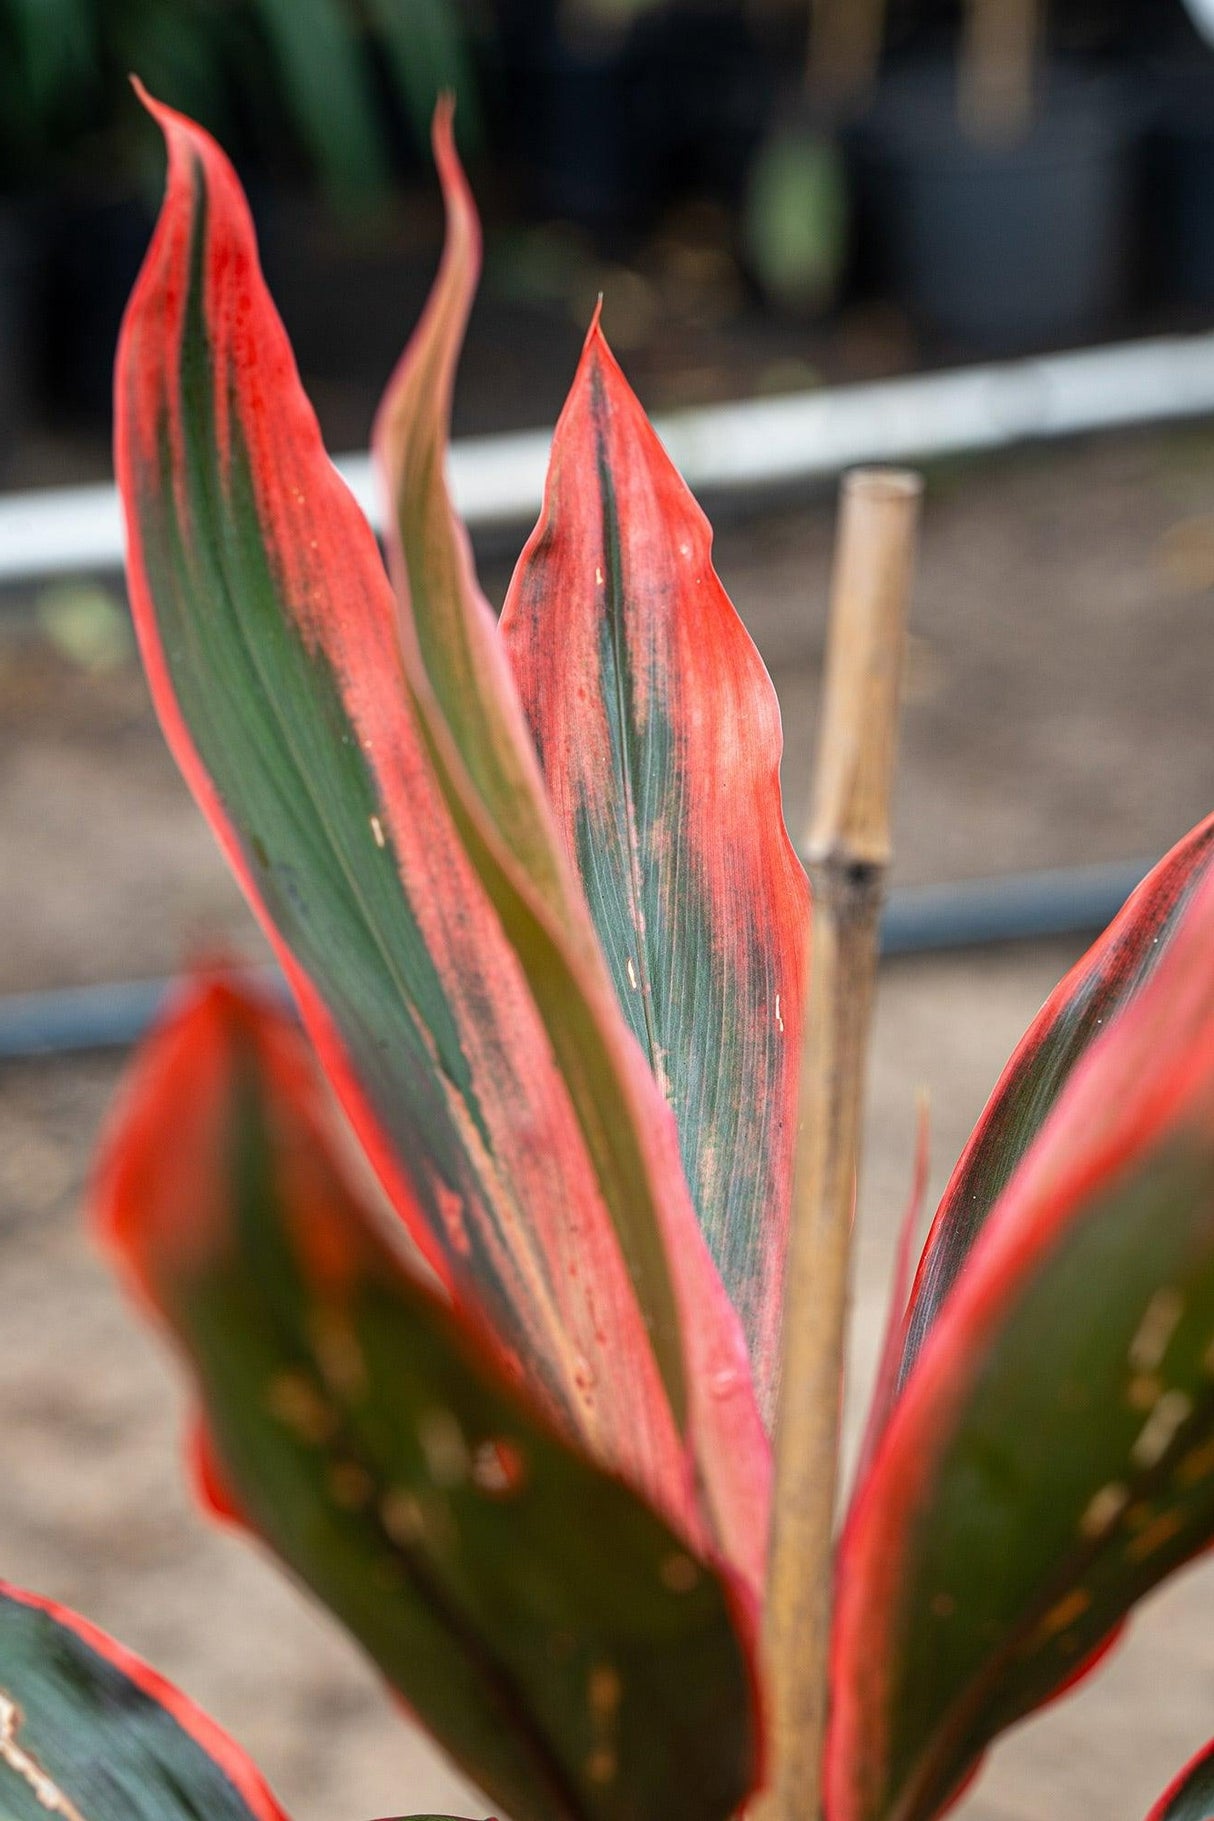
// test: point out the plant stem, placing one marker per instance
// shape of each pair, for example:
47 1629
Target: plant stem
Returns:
998 60
848 849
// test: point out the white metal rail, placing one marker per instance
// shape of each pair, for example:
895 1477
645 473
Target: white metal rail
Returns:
744 447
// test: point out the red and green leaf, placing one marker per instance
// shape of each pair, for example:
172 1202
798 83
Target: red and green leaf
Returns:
1051 1457
1092 995
552 1630
1191 1797
478 738
659 734
90 1733
289 692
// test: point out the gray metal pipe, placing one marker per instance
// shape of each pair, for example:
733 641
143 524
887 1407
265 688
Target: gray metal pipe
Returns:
918 920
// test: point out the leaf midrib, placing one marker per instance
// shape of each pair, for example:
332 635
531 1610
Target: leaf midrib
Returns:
614 581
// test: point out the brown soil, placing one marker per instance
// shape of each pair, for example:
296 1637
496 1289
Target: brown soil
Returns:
1059 707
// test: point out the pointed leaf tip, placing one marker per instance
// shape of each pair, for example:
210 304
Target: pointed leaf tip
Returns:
169 119
263 609
660 738
480 742
442 130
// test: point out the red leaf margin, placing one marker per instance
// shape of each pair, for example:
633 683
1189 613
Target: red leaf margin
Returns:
155 1232
239 1769
336 511
489 767
1098 977
1176 1788
732 1449
681 637
1151 1071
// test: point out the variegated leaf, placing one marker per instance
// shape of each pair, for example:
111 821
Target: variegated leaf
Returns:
478 739
566 1646
89 1733
1051 1457
1191 1797
1093 994
659 734
286 688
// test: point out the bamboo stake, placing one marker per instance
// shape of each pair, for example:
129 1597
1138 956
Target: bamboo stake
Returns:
848 848
998 62
844 48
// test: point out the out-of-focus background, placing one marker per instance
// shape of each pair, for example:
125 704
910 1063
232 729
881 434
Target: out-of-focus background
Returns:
782 206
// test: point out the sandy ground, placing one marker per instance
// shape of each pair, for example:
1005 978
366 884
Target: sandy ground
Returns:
1058 712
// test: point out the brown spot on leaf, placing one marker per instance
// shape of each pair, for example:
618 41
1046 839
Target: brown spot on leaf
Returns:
1159 1431
1156 1329
1164 1528
679 1572
1144 1391
350 1486
603 1692
1197 1465
601 1765
296 1403
443 1445
1064 1613
338 1353
402 1517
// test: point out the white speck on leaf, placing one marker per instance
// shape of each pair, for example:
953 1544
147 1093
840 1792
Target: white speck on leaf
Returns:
1159 1430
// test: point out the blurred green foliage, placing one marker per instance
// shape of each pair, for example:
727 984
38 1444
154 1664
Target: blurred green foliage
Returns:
333 76
796 221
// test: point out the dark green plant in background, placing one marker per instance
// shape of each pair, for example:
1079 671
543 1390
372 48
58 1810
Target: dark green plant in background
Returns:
331 77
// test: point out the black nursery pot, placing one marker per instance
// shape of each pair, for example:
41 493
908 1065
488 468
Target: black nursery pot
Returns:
17 311
96 242
1000 246
610 127
1180 170
570 124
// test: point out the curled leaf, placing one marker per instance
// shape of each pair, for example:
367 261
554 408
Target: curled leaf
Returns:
478 737
564 1643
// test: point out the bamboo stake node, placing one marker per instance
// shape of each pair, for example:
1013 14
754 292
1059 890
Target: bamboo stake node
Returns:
848 847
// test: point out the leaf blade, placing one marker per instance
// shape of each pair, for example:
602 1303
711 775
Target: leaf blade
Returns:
467 701
659 734
376 1441
1051 1457
269 633
1191 1796
1094 993
88 1730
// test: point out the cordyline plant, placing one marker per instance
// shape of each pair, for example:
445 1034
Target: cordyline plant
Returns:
504 1410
